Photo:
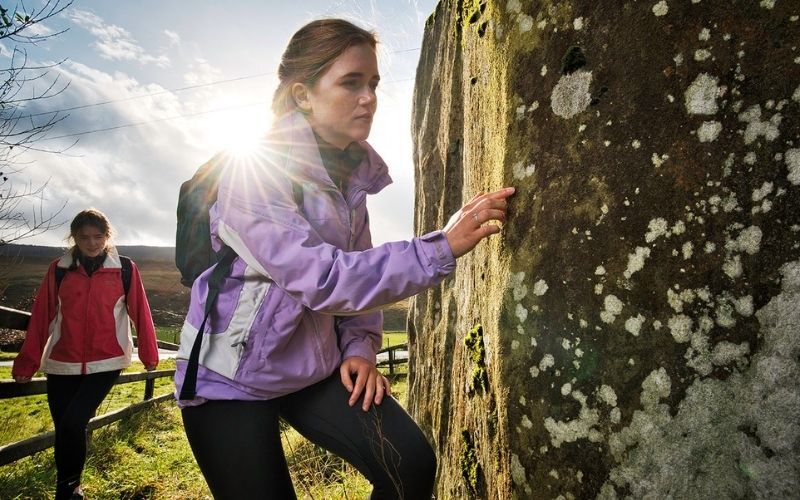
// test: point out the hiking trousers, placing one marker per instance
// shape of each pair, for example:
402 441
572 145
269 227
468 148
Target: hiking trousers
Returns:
237 444
73 399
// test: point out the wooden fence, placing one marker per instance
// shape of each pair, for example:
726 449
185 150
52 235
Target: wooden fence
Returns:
18 320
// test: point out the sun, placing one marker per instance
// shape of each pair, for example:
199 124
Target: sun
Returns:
236 129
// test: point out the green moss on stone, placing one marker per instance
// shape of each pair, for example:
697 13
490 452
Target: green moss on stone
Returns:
468 460
479 380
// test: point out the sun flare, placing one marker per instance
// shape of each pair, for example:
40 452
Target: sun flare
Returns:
237 130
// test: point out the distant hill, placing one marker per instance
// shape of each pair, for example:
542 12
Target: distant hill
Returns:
135 252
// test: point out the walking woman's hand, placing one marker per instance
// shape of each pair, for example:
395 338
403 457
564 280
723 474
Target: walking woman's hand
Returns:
21 379
467 227
367 379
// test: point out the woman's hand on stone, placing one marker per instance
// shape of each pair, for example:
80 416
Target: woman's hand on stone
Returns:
368 379
467 227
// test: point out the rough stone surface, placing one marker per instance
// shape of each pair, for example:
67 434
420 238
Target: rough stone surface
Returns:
634 332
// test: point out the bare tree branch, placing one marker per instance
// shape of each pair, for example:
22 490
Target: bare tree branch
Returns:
24 88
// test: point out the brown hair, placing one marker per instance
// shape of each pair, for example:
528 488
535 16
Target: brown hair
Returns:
309 54
89 217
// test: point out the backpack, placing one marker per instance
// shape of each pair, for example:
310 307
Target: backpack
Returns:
194 253
127 271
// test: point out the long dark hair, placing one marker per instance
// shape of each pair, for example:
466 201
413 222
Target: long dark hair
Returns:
310 52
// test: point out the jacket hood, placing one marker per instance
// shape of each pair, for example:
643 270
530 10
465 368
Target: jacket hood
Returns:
372 175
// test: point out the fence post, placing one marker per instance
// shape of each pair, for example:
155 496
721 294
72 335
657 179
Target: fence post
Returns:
391 361
149 385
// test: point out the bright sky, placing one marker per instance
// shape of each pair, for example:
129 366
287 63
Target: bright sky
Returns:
139 54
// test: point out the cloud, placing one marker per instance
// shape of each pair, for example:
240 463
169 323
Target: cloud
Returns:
133 174
114 42
173 38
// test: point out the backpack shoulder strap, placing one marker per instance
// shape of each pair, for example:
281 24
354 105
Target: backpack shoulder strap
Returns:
60 273
127 271
224 260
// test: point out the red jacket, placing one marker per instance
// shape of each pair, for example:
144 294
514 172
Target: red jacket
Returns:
83 326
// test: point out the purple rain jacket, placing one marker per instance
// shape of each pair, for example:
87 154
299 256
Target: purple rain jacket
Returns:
306 288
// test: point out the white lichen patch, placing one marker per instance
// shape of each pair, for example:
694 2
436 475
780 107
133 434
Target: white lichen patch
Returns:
701 54
680 326
661 8
743 425
540 288
607 395
678 60
634 325
655 387
659 160
727 352
514 345
768 4
546 362
577 23
600 271
744 305
705 35
613 307
571 94
756 127
636 144
598 289
514 6
521 171
566 389
518 288
792 159
732 267
796 95
678 228
615 415
709 131
701 96
687 249
525 23
677 300
518 471
656 228
534 371
581 427
636 261
762 192
543 71
526 422
748 241
521 313
750 158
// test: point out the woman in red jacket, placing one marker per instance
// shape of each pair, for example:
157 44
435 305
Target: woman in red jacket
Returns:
79 335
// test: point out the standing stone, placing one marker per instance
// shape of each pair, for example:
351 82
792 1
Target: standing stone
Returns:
635 330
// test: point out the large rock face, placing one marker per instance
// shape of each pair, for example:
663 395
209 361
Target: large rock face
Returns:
635 331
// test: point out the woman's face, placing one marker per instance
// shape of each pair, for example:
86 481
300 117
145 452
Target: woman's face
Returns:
91 240
341 104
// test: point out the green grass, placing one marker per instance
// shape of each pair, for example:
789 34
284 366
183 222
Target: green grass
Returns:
169 334
394 338
7 356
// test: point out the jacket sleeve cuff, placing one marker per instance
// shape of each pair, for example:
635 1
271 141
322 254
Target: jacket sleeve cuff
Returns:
362 349
438 251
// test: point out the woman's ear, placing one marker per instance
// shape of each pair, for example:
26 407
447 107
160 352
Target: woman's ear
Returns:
301 98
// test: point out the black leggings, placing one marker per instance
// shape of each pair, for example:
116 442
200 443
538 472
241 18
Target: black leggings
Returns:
237 444
73 399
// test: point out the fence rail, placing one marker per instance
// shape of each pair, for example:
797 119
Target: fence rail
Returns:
18 320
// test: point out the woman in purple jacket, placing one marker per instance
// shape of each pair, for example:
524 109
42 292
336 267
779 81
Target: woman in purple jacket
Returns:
297 324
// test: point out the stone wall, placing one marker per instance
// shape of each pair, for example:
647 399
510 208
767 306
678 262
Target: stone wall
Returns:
635 331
